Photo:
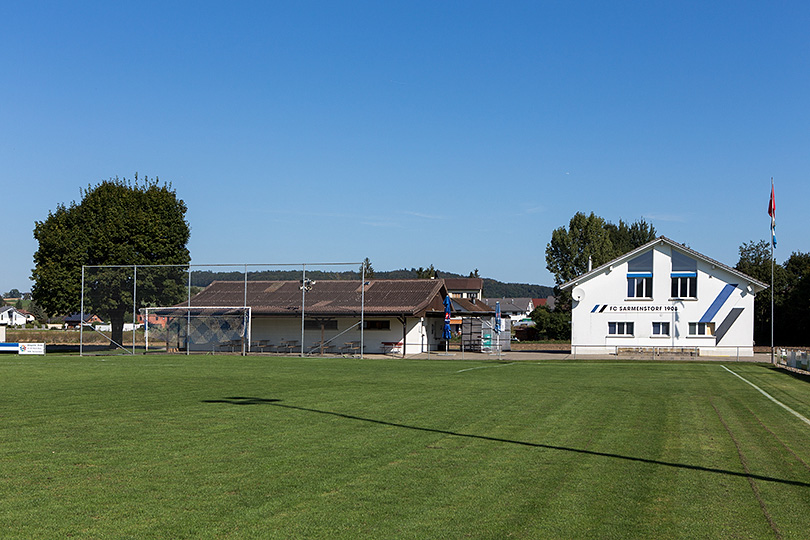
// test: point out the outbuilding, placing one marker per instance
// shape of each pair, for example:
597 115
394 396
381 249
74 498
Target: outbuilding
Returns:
663 297
386 316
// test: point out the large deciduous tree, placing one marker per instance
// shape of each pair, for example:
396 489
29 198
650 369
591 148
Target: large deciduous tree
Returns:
590 237
587 237
118 222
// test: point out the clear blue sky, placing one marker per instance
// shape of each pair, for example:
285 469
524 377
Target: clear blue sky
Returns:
458 134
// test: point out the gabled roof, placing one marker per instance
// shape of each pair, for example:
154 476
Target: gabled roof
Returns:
464 284
663 240
465 306
76 317
413 297
509 305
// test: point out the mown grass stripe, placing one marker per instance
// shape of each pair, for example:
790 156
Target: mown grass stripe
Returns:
767 395
744 462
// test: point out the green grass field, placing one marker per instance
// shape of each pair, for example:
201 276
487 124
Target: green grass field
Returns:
230 447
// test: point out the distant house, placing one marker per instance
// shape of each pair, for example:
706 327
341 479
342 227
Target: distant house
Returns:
11 316
29 317
154 320
548 301
470 288
513 308
72 320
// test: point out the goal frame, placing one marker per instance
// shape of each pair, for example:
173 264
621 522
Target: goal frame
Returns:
224 311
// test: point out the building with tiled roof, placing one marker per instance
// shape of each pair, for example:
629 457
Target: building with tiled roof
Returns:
471 288
405 316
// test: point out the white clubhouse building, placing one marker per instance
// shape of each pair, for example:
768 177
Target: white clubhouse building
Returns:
663 296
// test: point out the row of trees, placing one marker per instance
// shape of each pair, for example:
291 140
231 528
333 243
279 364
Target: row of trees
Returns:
791 294
13 293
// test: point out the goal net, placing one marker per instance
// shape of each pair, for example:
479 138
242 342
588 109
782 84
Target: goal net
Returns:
196 329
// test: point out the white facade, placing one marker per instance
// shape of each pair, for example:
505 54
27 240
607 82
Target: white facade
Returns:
382 334
11 317
514 309
663 295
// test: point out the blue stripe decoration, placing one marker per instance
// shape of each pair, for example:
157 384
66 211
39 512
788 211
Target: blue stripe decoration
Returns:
595 308
683 274
639 274
718 303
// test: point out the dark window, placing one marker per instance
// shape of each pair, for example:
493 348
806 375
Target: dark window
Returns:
684 276
701 329
620 328
684 287
660 328
639 287
314 324
377 325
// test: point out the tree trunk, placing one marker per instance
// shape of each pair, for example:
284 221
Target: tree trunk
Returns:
117 322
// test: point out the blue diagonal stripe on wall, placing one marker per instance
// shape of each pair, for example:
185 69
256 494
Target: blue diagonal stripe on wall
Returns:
718 303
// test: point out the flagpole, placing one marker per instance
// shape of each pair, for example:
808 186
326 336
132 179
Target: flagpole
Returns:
772 268
773 264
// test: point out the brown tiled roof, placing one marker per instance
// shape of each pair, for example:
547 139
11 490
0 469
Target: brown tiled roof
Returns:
413 297
466 306
464 284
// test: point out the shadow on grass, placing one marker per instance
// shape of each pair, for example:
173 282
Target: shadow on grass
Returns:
801 376
277 403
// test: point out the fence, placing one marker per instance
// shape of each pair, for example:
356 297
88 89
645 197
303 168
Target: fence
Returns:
663 352
168 308
793 358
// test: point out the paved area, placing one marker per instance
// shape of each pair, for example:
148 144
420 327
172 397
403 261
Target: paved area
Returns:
528 356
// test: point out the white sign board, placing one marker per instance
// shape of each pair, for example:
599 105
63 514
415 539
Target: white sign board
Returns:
32 348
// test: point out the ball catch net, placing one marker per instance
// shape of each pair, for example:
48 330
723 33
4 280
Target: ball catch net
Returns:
196 329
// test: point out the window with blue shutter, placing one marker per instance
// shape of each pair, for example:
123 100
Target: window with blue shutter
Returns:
684 276
640 276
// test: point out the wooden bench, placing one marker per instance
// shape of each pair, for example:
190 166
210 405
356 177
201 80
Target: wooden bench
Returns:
392 347
352 348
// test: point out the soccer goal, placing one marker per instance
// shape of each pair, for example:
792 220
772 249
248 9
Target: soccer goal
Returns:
197 329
